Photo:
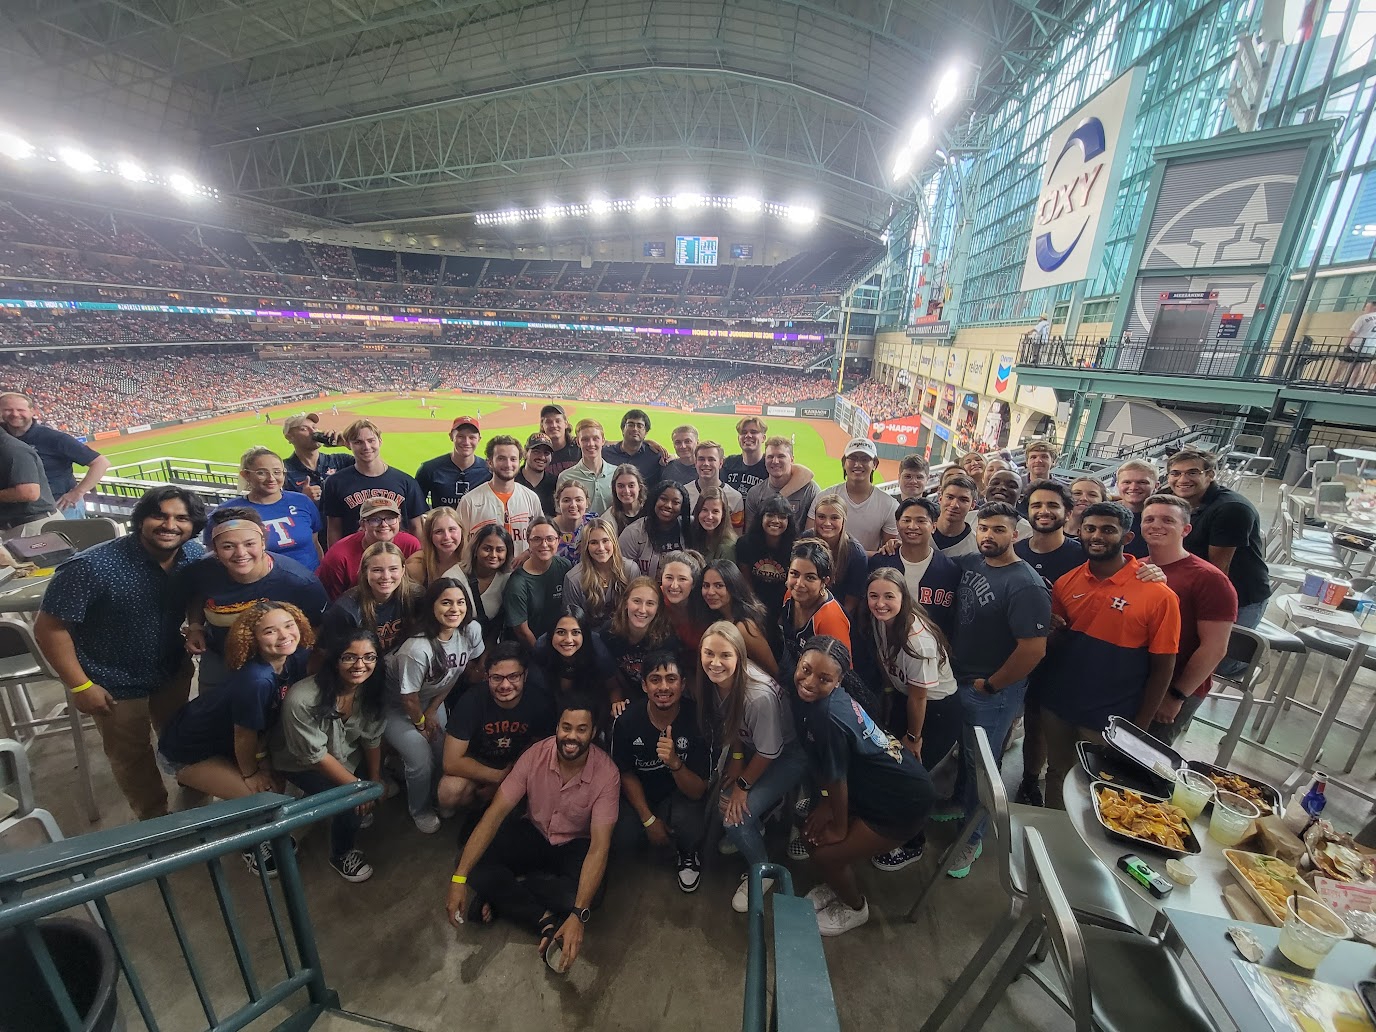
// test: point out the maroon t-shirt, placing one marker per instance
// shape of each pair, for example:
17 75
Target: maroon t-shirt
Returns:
1205 593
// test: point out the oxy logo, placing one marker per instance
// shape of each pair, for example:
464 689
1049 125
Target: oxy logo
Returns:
1067 191
1002 373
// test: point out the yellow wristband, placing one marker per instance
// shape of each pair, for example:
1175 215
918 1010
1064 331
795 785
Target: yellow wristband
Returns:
825 795
648 821
82 687
421 721
460 879
738 755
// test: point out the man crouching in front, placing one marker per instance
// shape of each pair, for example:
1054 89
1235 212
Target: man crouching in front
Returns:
544 869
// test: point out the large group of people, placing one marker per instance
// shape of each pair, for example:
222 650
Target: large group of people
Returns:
582 647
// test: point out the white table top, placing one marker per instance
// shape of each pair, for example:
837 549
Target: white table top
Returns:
1361 454
1205 896
1306 612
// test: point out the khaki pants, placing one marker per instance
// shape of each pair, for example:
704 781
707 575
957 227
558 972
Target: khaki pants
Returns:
126 734
1060 737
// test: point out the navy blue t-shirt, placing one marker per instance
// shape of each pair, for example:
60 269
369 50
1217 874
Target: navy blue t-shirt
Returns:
346 491
57 451
885 785
327 464
251 698
635 747
1052 565
223 599
443 483
498 736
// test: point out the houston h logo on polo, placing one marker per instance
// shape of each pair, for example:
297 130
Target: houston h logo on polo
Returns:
1066 195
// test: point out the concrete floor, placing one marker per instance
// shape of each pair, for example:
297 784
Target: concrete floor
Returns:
653 957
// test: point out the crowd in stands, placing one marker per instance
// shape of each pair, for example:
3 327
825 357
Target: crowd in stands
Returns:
879 400
117 389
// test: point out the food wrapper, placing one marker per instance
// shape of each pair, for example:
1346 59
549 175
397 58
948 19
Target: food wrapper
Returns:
1336 855
1272 837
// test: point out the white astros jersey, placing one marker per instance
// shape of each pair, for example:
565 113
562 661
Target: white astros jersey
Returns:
481 506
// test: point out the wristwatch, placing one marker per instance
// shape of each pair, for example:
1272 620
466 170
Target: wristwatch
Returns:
1176 693
583 914
742 784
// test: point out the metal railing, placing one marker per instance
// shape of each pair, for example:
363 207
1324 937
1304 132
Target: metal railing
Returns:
1311 361
803 1001
38 884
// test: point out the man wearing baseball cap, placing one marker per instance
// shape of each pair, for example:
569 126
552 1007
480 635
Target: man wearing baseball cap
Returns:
307 466
554 422
870 513
447 478
535 473
379 520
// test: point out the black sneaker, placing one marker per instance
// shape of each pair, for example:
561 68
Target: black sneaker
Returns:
689 871
269 862
1029 794
352 867
898 858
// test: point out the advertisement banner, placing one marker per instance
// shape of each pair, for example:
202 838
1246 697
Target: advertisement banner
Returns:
924 362
976 371
780 410
901 430
749 410
137 429
1084 160
1005 381
105 435
955 365
815 411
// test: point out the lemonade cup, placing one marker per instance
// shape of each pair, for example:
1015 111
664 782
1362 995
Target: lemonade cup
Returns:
1310 931
1232 818
1192 792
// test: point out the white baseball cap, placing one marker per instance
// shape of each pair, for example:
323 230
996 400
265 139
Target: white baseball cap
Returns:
860 444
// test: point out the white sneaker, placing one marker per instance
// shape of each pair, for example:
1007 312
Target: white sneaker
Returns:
740 902
428 822
366 821
837 918
822 896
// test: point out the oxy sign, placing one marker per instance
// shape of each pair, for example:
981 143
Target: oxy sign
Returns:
1079 185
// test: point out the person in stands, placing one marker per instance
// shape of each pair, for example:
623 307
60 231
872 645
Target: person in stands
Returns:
347 490
913 473
628 496
849 562
869 511
1084 492
381 601
58 452
554 424
931 577
952 532
591 470
874 794
489 573
490 729
536 590
662 529
441 550
726 595
683 469
445 479
763 555
379 522
633 449
501 498
665 760
308 466
708 456
710 531
543 869
535 472
571 505
782 481
600 578
293 522
639 626
810 608
1134 483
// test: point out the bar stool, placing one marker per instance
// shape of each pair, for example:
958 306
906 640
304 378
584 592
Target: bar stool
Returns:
1355 656
1252 646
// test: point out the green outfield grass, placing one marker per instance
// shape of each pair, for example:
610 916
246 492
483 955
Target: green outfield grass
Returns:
224 440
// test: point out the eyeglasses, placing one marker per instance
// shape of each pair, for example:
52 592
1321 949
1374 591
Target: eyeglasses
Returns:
1175 474
497 680
265 474
381 521
354 659
633 423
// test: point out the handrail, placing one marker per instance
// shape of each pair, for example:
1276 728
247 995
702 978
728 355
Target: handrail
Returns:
756 1015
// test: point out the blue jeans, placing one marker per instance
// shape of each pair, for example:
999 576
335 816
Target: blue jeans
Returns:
1247 616
995 712
779 778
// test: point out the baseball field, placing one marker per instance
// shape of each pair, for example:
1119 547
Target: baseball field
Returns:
411 434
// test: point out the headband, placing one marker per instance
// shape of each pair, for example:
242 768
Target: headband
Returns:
220 528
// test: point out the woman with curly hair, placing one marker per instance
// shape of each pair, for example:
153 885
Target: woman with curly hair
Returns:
711 532
600 578
444 643
380 601
213 743
441 549
331 734
628 496
662 529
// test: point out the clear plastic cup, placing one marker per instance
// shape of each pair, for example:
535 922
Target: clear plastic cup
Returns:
1232 818
1192 792
1310 932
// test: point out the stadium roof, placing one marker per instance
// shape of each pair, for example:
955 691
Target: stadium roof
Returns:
368 111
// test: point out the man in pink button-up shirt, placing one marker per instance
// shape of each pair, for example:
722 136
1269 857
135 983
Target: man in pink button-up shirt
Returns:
559 846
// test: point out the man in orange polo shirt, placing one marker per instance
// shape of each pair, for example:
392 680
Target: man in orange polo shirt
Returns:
1116 652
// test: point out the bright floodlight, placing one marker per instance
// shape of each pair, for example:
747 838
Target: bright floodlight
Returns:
800 214
181 183
132 172
15 147
77 160
947 89
599 206
644 203
687 200
921 135
747 205
551 212
903 164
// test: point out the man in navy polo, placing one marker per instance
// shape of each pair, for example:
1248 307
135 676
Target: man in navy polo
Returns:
57 451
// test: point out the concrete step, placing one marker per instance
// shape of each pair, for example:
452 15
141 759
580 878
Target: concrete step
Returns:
347 1021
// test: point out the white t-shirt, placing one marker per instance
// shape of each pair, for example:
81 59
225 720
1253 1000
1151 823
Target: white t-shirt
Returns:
1364 334
926 670
734 501
914 572
432 667
481 507
868 521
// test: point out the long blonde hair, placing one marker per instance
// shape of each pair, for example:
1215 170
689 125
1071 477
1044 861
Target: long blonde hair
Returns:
603 585
368 602
840 554
429 555
728 714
